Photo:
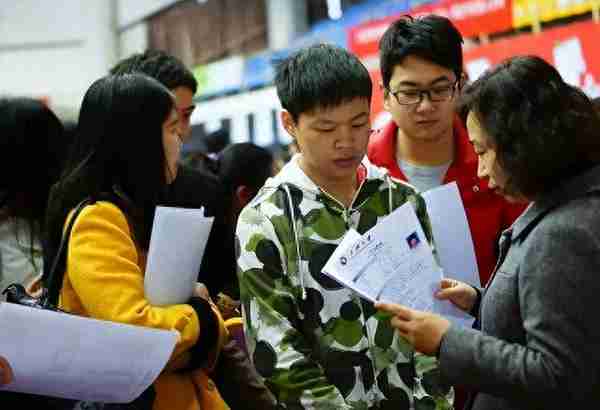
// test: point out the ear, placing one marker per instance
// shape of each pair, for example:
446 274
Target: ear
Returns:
386 96
244 195
288 123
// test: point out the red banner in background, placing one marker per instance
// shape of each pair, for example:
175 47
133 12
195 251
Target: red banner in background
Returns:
363 41
472 17
572 49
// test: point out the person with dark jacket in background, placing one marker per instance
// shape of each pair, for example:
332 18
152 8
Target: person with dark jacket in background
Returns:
193 188
242 170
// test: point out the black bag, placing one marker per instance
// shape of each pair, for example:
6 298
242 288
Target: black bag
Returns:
16 293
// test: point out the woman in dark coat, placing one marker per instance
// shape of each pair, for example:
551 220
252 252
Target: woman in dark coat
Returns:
536 344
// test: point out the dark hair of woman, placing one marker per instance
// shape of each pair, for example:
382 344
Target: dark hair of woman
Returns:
31 134
543 129
118 150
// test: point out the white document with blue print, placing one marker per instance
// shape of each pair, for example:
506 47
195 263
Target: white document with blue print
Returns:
392 262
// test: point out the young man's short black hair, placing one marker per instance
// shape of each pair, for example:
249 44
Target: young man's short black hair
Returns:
320 76
165 68
432 38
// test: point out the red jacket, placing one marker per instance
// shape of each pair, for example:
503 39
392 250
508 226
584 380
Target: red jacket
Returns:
488 214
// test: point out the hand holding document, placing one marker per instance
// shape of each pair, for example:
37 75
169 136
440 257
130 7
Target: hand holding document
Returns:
392 262
177 245
61 355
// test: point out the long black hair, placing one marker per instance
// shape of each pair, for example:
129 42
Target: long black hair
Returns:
32 137
118 149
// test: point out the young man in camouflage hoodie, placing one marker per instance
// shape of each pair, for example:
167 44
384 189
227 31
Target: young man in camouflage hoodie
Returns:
317 344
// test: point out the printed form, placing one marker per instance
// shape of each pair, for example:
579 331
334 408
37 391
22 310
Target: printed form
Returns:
392 262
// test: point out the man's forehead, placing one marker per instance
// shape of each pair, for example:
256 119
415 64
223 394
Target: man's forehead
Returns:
345 111
417 71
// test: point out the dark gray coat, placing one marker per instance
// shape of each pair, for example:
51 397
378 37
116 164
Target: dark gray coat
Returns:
539 343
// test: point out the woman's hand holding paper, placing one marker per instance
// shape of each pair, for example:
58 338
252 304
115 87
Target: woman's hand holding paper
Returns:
461 295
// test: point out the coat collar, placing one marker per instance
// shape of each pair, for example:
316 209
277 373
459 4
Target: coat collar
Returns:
570 188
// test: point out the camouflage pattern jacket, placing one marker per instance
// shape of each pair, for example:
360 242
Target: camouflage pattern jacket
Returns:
317 344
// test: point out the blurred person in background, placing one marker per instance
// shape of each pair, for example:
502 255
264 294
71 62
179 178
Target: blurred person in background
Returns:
242 170
30 134
123 159
536 346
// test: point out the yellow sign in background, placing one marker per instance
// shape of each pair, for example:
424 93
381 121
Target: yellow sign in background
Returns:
528 12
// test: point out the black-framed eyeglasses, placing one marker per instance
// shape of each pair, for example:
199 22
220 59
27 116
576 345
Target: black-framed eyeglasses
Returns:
415 96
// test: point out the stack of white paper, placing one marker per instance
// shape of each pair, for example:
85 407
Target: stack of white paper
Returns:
61 355
176 249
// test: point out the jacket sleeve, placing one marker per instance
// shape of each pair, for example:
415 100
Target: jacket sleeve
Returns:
271 319
102 267
558 288
430 389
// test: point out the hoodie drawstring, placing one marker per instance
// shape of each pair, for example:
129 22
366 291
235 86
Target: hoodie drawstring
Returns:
296 238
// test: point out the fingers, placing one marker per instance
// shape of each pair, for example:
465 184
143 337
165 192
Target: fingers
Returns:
448 283
202 291
6 375
396 310
445 294
403 327
448 287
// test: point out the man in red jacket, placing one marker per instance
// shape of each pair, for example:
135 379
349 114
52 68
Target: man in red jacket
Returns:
426 143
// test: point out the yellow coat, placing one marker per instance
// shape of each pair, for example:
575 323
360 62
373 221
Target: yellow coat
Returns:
105 280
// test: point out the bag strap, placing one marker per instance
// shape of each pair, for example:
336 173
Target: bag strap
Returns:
57 269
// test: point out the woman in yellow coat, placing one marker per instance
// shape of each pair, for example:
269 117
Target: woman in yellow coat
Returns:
124 156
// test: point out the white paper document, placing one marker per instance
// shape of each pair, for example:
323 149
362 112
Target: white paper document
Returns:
451 233
392 262
61 355
177 245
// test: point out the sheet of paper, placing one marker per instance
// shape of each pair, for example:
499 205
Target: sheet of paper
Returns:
62 355
176 249
392 262
452 235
